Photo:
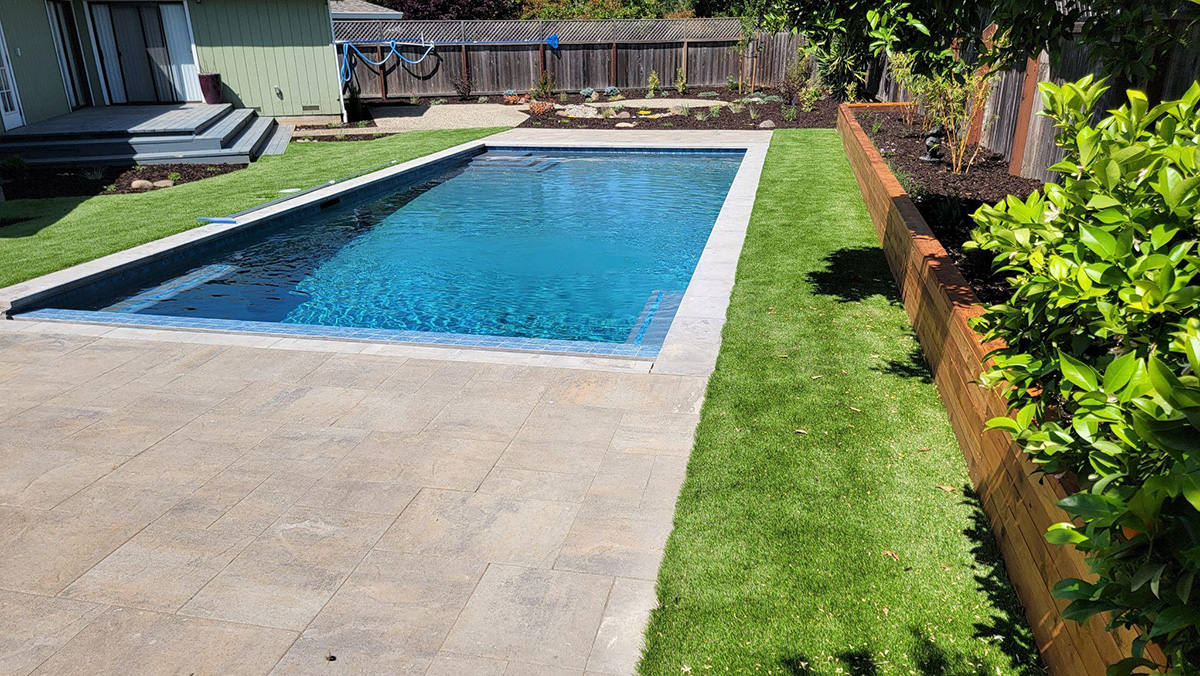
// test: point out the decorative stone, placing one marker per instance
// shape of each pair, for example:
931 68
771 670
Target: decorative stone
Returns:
626 125
623 115
677 110
594 97
141 185
579 110
163 184
766 124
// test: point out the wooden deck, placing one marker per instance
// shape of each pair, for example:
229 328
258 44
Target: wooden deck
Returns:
185 118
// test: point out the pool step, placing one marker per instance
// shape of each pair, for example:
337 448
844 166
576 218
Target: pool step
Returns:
655 318
513 162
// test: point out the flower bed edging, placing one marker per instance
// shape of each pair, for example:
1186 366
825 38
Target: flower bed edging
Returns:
1019 503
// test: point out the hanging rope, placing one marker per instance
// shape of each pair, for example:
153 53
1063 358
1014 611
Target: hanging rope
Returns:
348 67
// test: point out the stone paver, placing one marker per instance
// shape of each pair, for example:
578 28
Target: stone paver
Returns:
233 509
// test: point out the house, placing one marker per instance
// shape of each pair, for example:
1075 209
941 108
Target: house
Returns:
276 59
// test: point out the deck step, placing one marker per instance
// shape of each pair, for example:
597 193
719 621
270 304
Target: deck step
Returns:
278 143
225 135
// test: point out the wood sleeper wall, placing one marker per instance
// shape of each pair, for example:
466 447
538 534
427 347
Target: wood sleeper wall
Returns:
1020 503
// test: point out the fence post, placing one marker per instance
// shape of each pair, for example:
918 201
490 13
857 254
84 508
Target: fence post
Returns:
382 73
1020 134
612 69
685 50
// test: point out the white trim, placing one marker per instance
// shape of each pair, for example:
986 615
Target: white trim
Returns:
87 11
56 36
12 77
337 77
187 12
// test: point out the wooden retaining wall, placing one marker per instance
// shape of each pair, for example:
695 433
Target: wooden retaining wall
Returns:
1020 504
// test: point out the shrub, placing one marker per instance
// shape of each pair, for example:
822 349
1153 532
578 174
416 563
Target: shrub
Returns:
789 113
510 92
174 176
714 112
1102 354
680 82
771 98
481 99
611 92
587 92
731 82
708 95
355 108
606 112
795 79
653 86
955 100
685 111
750 110
562 98
736 107
462 85
414 100
437 102
539 108
701 116
544 88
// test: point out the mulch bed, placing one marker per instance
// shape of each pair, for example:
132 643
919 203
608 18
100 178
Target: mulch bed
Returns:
721 94
946 199
328 138
36 182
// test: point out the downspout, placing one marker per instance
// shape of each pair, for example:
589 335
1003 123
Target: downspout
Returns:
333 43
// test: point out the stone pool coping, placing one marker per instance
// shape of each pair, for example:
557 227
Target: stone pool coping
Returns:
691 344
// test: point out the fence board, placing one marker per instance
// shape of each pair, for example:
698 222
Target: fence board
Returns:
503 55
1000 114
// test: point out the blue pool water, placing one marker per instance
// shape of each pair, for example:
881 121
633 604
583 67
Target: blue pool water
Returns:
570 245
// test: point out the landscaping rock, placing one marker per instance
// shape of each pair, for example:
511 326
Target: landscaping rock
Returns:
141 185
623 115
677 110
163 184
579 110
626 125
766 124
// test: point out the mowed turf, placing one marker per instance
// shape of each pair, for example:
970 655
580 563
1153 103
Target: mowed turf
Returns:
62 232
826 524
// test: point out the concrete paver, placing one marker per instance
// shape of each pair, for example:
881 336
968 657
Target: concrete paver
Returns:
233 509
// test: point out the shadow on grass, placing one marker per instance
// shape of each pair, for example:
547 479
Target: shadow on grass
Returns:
1008 627
854 274
912 365
26 218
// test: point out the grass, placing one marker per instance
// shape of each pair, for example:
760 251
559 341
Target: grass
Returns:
826 525
57 233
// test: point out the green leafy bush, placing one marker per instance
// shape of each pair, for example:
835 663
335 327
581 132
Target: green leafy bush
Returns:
1102 353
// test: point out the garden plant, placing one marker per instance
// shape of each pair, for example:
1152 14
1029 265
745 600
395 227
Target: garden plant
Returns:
1101 355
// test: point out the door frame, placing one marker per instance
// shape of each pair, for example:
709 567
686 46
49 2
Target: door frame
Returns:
12 80
87 10
63 61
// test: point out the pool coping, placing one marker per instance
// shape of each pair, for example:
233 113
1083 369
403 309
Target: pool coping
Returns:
691 343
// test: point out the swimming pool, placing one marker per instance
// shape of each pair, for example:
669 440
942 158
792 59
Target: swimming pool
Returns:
554 249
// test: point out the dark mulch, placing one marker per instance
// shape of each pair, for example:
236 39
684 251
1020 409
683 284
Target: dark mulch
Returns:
325 138
362 124
946 199
35 182
822 116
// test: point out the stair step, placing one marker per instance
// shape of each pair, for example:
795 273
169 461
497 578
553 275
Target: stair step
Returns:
245 148
278 143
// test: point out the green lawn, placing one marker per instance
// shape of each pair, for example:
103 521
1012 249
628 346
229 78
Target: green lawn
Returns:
66 231
832 550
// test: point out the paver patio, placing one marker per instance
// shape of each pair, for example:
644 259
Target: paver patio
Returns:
172 506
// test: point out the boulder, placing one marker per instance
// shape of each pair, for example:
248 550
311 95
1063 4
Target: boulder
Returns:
626 125
766 124
141 185
623 115
163 184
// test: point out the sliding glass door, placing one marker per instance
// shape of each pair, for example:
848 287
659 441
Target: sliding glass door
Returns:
145 52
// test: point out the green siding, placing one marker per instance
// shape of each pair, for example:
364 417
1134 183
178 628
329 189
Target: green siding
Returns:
262 44
35 63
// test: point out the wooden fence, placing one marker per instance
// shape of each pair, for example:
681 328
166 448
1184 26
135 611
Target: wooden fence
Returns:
1012 125
503 55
